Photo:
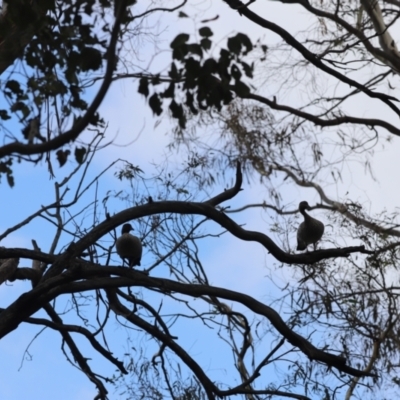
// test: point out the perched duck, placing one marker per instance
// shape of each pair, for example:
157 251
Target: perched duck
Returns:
310 230
129 247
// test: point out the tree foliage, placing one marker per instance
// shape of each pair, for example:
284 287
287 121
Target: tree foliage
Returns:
293 113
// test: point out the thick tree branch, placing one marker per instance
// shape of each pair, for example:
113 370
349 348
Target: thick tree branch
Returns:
8 267
26 253
191 208
223 220
136 278
166 339
29 303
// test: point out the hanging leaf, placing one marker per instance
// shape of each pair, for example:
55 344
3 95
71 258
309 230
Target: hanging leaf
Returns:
80 154
205 32
155 104
144 87
62 156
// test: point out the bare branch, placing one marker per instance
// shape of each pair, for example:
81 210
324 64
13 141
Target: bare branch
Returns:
78 357
312 58
83 331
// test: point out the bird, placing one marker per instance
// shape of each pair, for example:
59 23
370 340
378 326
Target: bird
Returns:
310 230
129 247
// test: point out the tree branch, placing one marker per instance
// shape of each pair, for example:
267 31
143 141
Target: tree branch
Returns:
166 339
229 193
61 327
81 361
136 278
337 206
346 119
308 55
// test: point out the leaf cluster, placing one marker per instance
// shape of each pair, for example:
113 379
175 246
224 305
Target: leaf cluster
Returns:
198 82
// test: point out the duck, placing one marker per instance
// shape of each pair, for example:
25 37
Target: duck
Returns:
129 247
310 230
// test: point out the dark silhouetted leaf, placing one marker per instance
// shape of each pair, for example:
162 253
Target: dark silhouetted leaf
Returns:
179 40
210 66
155 104
10 180
173 72
181 14
179 46
5 168
170 91
177 112
264 48
80 154
248 69
190 102
236 43
14 86
205 31
90 59
195 48
205 43
144 87
242 89
4 115
192 73
62 156
235 71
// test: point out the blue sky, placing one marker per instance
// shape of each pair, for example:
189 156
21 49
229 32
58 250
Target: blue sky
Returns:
229 263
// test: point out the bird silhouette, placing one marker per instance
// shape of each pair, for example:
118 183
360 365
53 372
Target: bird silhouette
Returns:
129 247
310 230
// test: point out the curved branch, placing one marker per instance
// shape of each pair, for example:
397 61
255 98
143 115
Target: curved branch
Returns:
219 217
308 55
389 58
370 122
152 10
229 193
337 206
26 253
166 339
209 211
29 303
136 278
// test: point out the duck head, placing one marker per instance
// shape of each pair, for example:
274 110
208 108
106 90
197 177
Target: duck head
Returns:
126 228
